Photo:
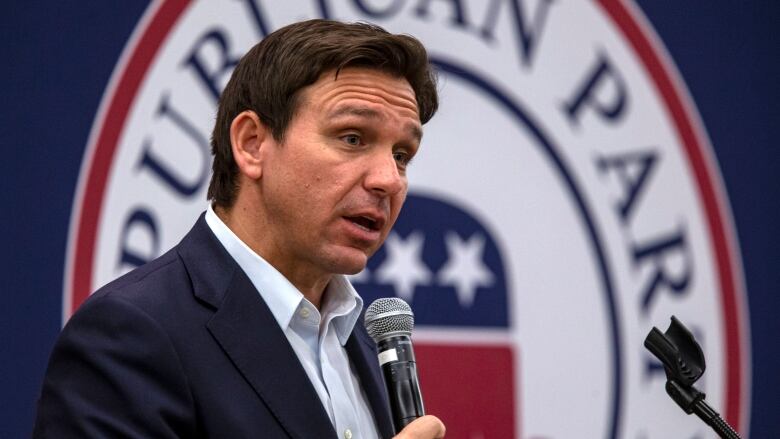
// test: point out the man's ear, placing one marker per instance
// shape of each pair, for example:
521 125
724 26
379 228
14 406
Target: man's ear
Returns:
248 136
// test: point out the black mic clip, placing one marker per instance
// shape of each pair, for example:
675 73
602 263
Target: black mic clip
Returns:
683 361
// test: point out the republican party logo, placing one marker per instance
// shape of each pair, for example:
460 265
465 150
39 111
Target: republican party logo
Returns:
565 200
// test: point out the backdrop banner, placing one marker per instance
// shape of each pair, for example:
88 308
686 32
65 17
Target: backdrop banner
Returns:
567 197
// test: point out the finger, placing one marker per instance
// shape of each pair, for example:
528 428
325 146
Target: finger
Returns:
426 427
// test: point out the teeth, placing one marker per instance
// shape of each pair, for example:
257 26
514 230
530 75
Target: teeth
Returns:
364 222
362 226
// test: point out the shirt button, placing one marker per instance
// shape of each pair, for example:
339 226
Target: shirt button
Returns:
305 313
348 434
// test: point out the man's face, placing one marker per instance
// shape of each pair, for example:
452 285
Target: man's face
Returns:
333 189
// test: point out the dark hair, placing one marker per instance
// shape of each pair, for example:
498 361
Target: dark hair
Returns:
268 78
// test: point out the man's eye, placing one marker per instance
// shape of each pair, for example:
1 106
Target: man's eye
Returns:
351 139
403 158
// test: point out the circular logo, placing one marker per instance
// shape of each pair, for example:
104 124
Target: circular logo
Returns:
564 202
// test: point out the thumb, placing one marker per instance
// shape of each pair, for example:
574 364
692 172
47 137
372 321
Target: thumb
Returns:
426 427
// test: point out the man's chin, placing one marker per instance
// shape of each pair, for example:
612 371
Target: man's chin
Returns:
346 259
350 269
352 263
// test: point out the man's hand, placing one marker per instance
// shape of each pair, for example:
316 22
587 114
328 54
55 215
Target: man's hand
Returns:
426 427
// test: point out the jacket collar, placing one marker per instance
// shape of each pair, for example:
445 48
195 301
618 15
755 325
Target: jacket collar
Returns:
248 333
363 353
245 328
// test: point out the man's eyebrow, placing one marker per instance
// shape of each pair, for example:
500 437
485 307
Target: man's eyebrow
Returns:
348 110
415 131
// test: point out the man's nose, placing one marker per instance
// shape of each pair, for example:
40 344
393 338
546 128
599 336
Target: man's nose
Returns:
383 176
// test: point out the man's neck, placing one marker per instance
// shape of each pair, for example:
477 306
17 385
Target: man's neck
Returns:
312 286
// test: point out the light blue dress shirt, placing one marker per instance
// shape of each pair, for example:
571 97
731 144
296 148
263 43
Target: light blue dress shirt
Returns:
318 338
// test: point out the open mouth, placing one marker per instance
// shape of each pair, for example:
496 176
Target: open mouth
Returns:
364 222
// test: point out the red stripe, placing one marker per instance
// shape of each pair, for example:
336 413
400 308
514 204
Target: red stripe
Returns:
693 147
105 146
471 388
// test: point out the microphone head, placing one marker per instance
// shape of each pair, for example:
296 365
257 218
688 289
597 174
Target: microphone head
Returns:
389 316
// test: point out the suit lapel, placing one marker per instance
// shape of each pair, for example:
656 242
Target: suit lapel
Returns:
247 331
362 351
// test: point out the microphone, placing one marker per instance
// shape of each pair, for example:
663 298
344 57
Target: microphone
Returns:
389 321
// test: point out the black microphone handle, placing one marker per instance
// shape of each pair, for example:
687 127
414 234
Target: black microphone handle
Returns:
399 369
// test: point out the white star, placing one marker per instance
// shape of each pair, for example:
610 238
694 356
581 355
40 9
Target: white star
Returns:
404 267
465 268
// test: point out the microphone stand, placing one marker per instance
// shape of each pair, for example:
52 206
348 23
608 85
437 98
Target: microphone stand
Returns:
684 364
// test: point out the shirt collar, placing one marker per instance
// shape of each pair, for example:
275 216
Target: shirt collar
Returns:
341 303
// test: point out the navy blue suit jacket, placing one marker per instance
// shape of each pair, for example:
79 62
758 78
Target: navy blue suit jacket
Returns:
185 347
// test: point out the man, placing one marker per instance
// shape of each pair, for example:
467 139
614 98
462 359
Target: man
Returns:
248 327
